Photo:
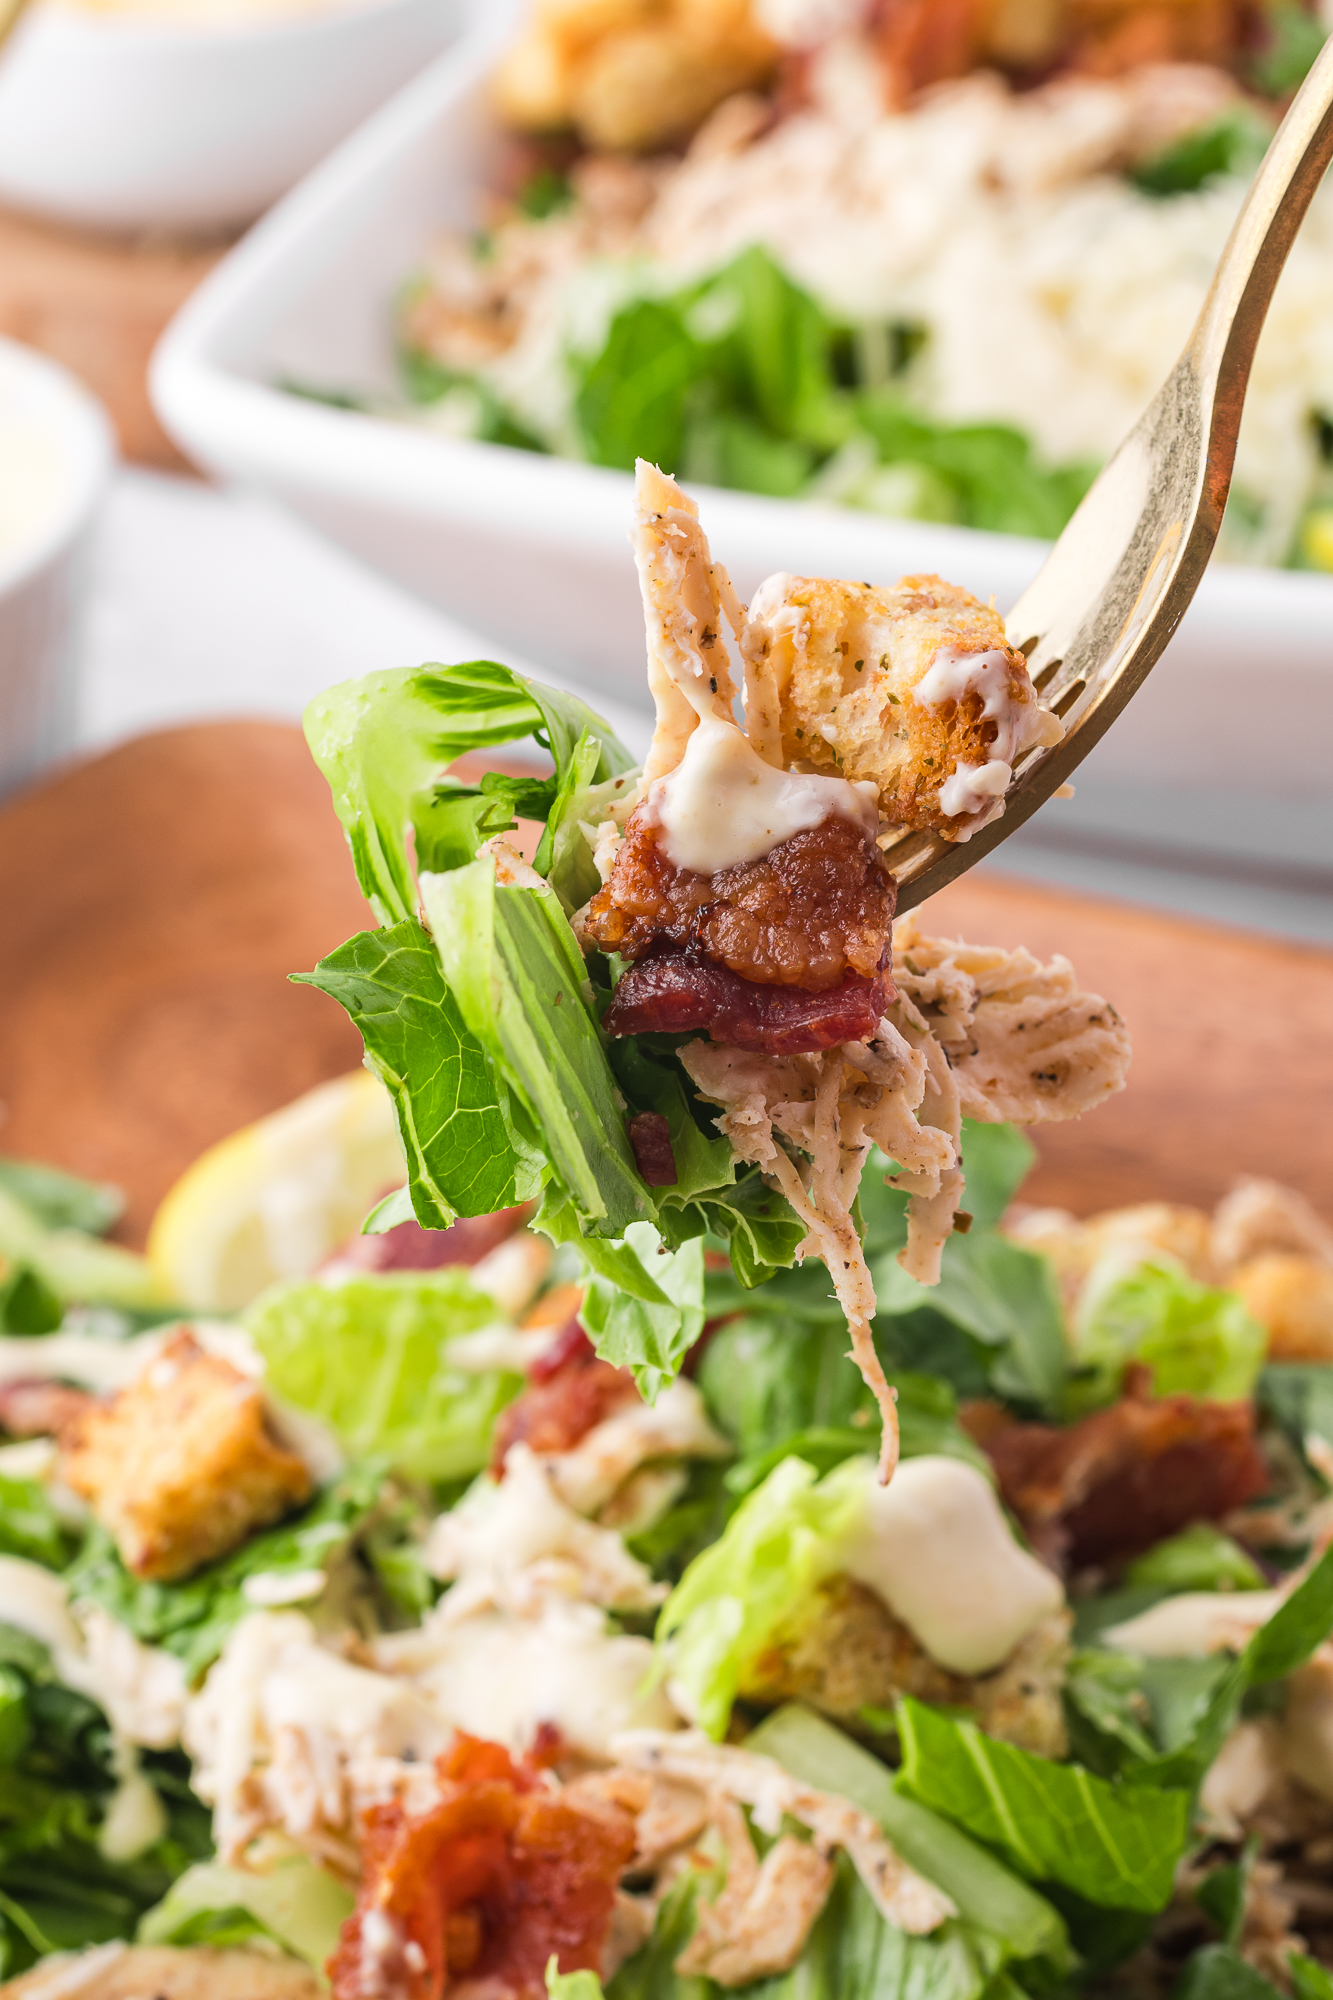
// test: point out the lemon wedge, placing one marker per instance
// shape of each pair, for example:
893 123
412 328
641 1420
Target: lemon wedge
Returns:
278 1197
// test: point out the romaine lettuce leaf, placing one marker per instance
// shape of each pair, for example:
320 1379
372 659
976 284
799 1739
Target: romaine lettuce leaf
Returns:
1200 1557
989 1896
59 1200
464 1154
29 1524
1197 1340
384 742
57 1890
1298 1395
76 1267
636 1332
193 1618
371 1358
732 1598
516 971
293 1901
1116 1846
1218 1972
571 1985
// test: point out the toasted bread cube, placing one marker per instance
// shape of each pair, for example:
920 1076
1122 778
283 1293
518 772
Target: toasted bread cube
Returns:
913 687
1292 1299
181 1466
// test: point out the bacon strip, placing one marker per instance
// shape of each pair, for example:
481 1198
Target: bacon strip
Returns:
1117 1482
569 1393
650 1136
675 995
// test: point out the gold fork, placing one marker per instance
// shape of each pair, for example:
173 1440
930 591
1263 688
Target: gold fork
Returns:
1120 578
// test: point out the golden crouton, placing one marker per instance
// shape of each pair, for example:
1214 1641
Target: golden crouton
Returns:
912 687
181 1466
630 75
1292 1299
845 1653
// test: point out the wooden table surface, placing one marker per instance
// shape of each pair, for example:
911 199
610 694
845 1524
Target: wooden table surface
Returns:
99 303
156 898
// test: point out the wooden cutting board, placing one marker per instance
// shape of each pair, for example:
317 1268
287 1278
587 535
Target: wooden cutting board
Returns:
157 896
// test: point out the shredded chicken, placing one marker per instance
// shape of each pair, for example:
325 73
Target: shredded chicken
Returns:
759 1923
719 1770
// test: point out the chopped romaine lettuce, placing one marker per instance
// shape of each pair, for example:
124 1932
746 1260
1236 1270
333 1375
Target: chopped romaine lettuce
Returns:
1116 1846
193 1618
571 1985
1197 1340
1232 144
29 1524
464 1153
1298 1395
370 1357
58 1891
734 1595
1198 1558
1218 1972
988 1895
384 742
743 381
59 1200
75 1266
292 1901
28 1304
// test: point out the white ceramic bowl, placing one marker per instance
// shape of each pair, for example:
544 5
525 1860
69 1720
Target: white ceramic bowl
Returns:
56 454
128 122
534 550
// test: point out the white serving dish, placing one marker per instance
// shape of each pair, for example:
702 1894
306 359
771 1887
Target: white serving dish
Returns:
133 122
534 550
44 569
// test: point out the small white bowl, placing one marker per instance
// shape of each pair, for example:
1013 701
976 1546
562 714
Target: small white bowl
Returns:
56 455
133 121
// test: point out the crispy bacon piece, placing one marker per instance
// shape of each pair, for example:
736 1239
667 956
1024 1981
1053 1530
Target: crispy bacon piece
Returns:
496 1878
40 1409
569 1392
814 909
650 1137
409 1247
1110 1486
679 995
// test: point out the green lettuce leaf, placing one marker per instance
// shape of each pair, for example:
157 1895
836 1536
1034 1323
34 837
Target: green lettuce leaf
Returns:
516 971
59 1200
1309 1979
777 1547
1197 1340
988 1895
853 1954
1298 1395
464 1154
1116 1846
29 1524
371 1358
1198 1558
57 1890
296 1903
76 1267
384 742
1296 1629
635 1332
1218 1972
194 1618
571 1985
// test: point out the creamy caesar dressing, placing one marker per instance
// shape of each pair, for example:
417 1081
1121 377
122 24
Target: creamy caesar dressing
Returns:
34 472
934 1545
724 807
34 1600
951 677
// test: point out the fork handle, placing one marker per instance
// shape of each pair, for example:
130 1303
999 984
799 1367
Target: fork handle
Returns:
1221 349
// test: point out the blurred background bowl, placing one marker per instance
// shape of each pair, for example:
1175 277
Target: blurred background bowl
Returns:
148 121
56 455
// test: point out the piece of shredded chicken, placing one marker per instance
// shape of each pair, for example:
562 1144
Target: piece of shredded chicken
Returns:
721 1771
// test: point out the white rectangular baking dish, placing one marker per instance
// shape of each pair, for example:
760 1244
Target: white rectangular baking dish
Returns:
533 550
